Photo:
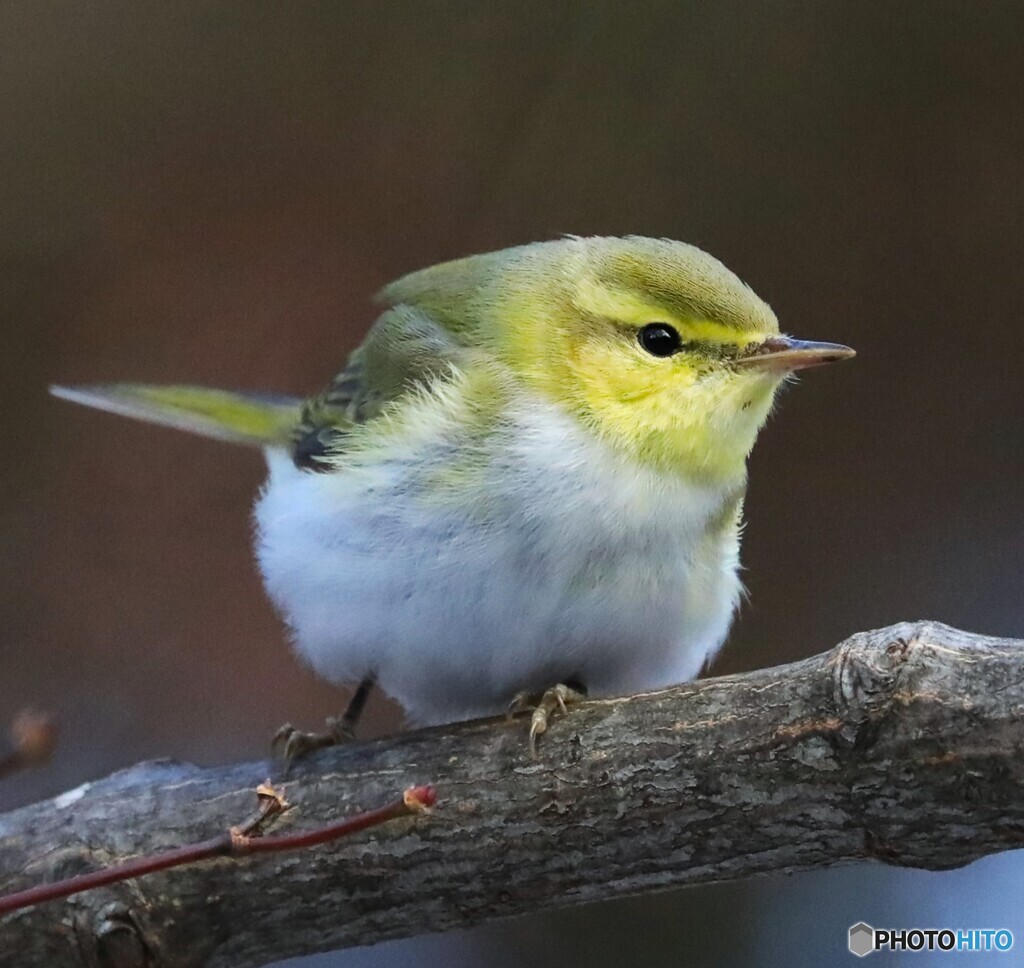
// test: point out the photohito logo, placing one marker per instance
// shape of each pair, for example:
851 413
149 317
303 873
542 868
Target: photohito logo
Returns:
864 939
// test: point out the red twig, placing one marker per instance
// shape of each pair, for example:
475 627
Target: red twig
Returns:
235 842
33 739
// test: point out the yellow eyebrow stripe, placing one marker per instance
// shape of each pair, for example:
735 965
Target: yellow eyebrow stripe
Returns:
706 330
593 298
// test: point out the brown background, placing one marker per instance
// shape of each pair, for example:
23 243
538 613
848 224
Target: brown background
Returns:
209 192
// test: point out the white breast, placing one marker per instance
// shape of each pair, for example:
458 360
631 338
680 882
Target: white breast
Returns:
553 559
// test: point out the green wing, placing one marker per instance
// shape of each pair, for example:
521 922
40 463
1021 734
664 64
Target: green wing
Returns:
404 348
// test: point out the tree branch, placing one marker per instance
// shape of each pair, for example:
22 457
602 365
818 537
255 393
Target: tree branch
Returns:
901 745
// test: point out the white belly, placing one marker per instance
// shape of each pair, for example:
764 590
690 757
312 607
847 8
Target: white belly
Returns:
554 560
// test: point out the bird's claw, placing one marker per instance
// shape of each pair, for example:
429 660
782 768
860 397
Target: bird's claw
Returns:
520 702
293 744
557 698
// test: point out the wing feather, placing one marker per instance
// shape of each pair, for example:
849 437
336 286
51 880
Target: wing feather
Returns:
404 349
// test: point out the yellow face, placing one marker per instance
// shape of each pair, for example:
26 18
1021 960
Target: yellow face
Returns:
667 388
643 345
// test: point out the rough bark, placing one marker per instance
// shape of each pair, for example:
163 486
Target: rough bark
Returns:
900 745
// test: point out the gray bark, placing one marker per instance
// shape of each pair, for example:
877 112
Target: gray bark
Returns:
900 745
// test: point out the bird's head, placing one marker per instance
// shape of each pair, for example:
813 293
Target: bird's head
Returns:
653 344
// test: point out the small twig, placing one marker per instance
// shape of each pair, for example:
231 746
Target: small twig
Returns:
33 738
235 842
270 804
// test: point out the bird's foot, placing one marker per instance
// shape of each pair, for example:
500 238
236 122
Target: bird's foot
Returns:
292 744
552 700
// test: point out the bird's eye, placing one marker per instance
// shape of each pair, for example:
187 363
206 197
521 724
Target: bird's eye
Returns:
660 339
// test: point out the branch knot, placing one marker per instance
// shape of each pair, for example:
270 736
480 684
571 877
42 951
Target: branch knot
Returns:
868 669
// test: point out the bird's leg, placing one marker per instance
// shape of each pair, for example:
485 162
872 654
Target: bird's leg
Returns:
552 700
293 744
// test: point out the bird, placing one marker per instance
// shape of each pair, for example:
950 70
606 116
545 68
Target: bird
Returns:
526 485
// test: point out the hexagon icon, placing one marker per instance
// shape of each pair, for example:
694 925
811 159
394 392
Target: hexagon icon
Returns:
862 939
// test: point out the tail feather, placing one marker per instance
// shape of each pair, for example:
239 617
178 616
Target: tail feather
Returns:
253 418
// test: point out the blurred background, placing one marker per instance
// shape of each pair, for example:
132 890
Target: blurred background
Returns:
210 192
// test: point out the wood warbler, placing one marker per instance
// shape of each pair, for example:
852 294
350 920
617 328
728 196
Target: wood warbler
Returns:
527 480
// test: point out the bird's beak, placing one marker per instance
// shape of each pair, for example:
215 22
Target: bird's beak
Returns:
782 354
